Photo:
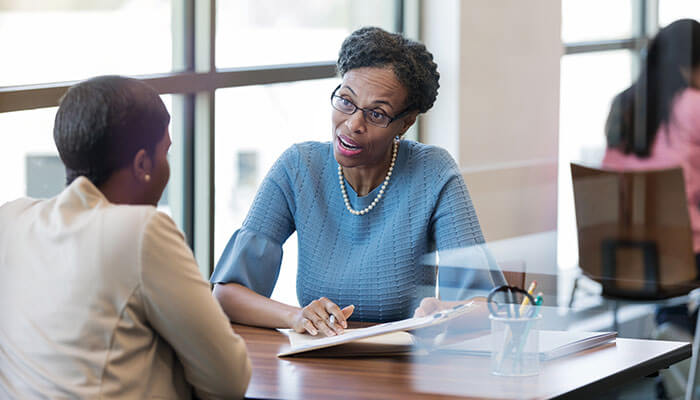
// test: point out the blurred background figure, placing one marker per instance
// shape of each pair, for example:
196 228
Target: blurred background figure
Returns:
655 124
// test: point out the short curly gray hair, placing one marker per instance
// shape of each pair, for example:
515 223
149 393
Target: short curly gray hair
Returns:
411 62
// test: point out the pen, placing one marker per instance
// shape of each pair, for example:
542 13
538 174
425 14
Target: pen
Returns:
523 337
526 300
526 332
511 300
539 299
331 320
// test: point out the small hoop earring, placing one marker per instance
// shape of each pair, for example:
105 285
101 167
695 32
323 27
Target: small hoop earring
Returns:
147 177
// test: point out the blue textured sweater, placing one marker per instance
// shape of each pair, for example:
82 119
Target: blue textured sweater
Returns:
374 261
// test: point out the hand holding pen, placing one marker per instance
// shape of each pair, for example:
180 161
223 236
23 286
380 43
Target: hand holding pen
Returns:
323 316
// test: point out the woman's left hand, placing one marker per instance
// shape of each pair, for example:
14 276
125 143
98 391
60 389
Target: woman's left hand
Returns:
431 305
473 323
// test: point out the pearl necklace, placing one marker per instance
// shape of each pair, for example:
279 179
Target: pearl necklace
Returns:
341 179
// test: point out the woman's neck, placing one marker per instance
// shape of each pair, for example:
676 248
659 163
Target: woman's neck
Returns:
365 178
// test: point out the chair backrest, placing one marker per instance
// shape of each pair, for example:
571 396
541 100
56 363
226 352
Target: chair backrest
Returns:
514 271
634 234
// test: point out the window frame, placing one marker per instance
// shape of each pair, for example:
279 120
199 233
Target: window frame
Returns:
645 23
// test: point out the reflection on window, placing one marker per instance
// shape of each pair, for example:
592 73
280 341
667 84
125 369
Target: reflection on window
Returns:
589 82
596 20
45 175
287 32
32 156
247 169
671 10
254 125
28 134
51 41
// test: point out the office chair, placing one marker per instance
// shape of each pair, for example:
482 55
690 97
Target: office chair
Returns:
634 234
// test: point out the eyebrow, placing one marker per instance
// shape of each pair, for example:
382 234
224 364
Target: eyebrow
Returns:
374 102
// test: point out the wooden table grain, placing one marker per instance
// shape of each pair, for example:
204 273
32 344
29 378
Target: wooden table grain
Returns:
446 376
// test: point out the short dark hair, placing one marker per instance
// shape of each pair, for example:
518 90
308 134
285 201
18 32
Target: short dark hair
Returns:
103 122
411 62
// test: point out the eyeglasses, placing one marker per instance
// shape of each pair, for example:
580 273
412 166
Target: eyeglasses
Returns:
373 117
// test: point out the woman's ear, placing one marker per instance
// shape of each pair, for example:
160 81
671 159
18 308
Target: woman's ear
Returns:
142 166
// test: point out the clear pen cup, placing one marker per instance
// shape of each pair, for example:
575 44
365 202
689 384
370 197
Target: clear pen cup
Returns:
515 345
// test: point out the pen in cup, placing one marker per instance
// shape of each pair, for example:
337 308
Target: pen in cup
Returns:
536 305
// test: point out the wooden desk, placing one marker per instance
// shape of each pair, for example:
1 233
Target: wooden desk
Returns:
446 376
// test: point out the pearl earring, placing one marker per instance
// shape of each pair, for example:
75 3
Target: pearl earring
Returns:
147 177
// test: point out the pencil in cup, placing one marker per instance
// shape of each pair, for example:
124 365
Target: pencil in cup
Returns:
511 342
526 299
534 316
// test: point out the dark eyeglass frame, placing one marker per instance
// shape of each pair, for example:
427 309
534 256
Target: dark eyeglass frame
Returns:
366 110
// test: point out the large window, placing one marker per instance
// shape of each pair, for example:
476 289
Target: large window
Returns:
672 10
292 31
243 80
269 118
600 60
54 40
31 155
596 20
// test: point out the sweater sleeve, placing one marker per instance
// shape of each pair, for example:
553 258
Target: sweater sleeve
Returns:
253 255
180 307
455 225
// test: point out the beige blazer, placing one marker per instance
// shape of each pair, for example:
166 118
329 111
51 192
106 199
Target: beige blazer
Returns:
99 300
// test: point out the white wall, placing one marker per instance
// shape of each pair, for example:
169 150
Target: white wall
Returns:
498 109
440 31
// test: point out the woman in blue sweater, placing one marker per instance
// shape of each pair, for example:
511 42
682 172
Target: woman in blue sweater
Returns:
367 206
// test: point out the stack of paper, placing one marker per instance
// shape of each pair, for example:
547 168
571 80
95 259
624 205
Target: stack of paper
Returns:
394 343
553 344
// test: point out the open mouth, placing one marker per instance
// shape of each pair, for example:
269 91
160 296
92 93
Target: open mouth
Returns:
344 143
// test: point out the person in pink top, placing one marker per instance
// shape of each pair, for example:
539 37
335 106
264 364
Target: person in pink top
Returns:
655 123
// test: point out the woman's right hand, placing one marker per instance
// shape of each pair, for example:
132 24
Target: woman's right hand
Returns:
315 317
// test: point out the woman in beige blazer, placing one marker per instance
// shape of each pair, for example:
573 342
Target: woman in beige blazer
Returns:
100 297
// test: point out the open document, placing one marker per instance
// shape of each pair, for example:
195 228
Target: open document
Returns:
402 337
401 340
